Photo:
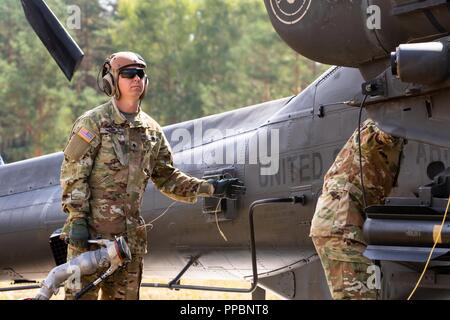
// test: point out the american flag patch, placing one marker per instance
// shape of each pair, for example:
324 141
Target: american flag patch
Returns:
86 135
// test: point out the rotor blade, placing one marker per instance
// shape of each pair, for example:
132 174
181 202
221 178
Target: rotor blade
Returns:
64 50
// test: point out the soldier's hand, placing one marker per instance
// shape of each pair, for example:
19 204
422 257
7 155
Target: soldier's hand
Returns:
79 233
227 188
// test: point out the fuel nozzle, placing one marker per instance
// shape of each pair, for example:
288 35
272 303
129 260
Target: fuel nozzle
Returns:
119 254
112 254
123 250
117 249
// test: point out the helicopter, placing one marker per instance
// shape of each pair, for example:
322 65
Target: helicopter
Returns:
391 60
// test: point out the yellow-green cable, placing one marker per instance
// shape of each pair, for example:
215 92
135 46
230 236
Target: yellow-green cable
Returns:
431 252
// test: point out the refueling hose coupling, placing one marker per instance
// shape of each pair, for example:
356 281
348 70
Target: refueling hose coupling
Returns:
112 254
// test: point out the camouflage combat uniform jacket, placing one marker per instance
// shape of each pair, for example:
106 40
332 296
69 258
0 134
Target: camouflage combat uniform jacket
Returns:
107 164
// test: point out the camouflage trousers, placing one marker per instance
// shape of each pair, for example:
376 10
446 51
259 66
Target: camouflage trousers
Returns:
349 274
124 284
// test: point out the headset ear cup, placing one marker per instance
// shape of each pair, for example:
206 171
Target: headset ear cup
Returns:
108 84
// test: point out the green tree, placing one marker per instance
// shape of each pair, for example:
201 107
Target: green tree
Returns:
209 56
203 56
161 31
40 104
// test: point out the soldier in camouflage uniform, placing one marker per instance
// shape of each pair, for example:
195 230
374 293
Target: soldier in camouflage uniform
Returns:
112 152
336 228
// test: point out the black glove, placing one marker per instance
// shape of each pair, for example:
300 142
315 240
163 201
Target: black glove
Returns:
79 233
227 188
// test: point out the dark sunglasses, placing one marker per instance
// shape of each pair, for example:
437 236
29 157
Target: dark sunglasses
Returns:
131 73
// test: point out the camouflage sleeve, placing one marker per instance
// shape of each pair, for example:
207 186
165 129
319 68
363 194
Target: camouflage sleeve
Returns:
79 155
174 183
